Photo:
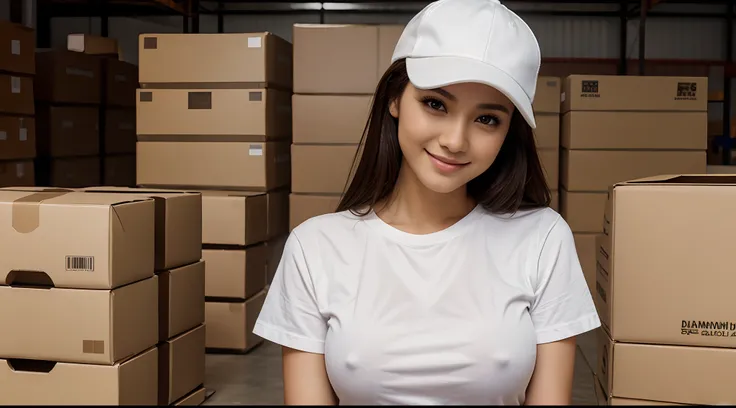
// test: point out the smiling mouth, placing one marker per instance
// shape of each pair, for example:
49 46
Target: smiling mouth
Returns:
445 161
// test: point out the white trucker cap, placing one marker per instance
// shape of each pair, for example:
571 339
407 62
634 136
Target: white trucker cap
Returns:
455 41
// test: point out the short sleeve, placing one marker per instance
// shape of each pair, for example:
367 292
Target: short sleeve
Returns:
563 306
291 315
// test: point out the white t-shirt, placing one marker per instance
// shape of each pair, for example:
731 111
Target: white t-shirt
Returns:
452 317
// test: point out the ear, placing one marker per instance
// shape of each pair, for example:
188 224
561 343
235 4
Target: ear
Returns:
393 108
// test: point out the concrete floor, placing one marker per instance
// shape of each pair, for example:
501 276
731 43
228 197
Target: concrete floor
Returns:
255 378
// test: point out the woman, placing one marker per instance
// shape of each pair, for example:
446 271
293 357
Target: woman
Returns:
444 277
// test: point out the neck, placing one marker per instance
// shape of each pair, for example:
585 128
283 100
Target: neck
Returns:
414 208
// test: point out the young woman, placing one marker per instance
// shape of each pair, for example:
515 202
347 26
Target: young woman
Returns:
444 278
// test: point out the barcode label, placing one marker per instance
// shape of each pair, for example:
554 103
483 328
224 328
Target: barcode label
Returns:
80 263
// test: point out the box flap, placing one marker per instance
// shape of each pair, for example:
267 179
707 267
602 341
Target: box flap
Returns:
684 179
245 194
142 191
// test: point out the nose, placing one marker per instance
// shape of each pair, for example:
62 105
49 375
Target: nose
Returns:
453 137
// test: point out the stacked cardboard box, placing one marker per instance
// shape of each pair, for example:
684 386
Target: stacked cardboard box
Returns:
222 124
547 135
17 124
617 128
665 291
80 299
336 70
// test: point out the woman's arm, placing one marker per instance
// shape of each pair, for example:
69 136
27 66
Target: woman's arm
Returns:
551 382
305 379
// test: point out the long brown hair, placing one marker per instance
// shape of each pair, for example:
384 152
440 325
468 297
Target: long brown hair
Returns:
514 181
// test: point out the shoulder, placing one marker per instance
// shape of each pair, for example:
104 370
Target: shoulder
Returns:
331 223
531 226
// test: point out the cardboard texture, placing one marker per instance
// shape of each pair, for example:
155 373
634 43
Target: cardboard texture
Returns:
278 213
120 136
303 207
69 172
194 398
86 325
550 161
119 170
547 133
121 82
129 382
275 249
210 114
16 95
225 165
230 325
321 169
342 59
586 249
665 240
115 247
67 131
92 44
583 211
17 48
604 400
181 365
329 119
67 77
17 173
235 273
258 59
178 223
181 300
17 138
547 95
234 218
555 201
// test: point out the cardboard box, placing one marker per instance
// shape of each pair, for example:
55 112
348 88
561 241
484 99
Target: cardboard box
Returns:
586 249
547 95
115 247
555 202
121 82
230 60
342 59
234 218
69 172
68 131
194 398
210 114
547 133
680 375
666 240
67 77
236 165
635 130
235 273
321 169
92 44
119 170
120 136
178 223
17 138
17 173
596 170
326 119
16 95
550 160
129 382
230 325
305 206
86 325
275 249
181 365
605 400
634 93
181 299
17 48
278 213
583 211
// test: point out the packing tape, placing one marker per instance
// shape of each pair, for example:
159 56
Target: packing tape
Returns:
26 210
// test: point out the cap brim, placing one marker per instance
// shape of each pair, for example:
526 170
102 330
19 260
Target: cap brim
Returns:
436 72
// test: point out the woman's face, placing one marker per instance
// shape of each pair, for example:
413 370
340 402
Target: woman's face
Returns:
452 134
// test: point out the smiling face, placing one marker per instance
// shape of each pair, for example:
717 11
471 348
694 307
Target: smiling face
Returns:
451 135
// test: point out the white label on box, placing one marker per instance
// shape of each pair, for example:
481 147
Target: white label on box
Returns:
80 72
562 97
3 135
15 85
255 150
23 134
254 42
20 170
67 124
15 47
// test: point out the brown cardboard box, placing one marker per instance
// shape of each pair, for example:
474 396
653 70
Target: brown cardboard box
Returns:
178 223
555 202
596 170
635 130
583 211
680 375
181 361
230 325
665 243
120 134
119 170
230 60
181 299
275 251
550 160
237 165
547 96
278 213
92 44
234 218
16 95
17 48
326 119
121 82
210 114
303 207
86 325
115 247
69 172
634 93
132 381
17 138
17 173
547 133
321 169
341 59
65 131
586 249
235 273
194 398
605 400
67 77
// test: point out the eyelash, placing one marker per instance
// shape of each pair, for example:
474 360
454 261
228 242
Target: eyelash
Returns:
428 101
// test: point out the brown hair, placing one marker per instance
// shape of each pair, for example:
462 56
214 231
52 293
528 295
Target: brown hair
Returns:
514 181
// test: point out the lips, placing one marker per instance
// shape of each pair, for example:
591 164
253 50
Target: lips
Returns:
446 160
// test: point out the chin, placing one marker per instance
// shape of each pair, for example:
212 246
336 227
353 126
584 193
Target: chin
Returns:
440 184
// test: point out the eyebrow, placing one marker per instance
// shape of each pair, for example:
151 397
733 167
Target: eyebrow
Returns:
491 106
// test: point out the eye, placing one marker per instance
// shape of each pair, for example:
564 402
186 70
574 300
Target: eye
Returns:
434 104
488 120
